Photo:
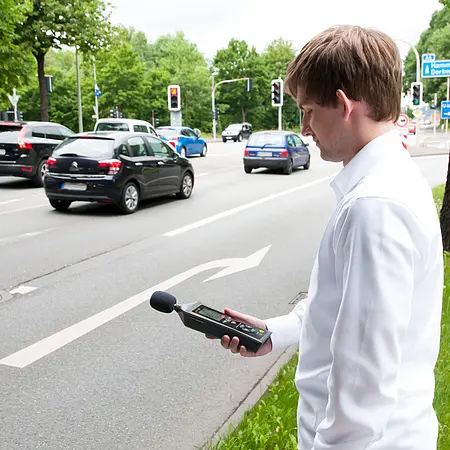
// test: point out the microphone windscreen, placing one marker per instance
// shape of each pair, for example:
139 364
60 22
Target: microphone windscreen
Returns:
163 301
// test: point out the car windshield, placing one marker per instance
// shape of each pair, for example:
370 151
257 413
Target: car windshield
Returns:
167 132
86 147
112 126
267 140
233 128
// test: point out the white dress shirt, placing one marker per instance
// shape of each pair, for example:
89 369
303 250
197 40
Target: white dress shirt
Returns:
369 330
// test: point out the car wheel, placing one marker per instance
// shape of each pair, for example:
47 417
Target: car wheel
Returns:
288 168
224 140
205 149
306 166
247 169
60 205
38 179
187 184
240 137
183 151
129 201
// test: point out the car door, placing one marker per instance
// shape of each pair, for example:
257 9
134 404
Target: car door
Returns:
168 163
302 150
146 165
197 142
292 149
186 140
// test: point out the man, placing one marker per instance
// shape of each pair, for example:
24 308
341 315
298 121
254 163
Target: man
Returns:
369 331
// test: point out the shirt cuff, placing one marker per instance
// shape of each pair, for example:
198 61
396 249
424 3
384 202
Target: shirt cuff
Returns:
285 330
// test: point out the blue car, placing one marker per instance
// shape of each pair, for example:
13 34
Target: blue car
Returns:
276 150
187 142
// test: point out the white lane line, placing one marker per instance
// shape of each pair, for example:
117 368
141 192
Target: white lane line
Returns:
201 175
7 202
238 209
22 209
19 237
23 290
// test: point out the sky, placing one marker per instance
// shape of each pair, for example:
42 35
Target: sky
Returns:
211 24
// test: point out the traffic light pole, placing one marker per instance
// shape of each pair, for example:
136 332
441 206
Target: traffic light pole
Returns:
280 115
213 99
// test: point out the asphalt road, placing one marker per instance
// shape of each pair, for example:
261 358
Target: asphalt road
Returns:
85 363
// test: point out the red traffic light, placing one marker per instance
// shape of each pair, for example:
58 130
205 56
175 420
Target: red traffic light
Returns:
174 91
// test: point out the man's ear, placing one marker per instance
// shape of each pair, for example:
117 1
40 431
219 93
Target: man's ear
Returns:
345 103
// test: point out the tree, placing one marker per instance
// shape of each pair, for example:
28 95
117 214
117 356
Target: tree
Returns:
277 56
13 64
53 23
234 62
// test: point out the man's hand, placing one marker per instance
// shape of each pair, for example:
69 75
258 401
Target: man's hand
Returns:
233 344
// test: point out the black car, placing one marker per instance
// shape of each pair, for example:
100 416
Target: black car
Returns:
115 167
237 131
26 146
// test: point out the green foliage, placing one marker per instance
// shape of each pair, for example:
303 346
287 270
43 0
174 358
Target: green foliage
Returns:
435 39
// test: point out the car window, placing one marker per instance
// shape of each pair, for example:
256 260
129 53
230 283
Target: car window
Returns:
123 150
185 133
140 128
138 147
38 132
65 132
167 132
290 141
298 141
160 149
87 147
266 139
112 126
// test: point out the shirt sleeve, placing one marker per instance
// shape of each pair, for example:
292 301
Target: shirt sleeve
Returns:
286 329
374 266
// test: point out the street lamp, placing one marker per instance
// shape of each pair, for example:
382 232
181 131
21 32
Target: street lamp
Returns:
213 102
413 48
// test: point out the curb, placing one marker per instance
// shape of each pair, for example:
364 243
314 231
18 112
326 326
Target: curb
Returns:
253 396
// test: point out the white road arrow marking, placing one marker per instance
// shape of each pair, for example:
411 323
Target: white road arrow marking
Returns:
36 351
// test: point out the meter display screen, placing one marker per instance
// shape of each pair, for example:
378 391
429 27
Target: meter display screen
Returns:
211 313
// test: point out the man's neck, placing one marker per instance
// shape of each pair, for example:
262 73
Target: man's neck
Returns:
368 133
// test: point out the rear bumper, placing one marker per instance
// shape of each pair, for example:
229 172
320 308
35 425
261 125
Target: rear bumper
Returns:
17 170
102 189
230 138
268 163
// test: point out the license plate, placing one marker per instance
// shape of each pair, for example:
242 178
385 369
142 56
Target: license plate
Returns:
74 186
264 153
2 152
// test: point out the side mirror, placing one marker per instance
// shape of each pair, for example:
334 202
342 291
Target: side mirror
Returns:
197 132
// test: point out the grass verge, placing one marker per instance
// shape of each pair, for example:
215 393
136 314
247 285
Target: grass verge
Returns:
272 423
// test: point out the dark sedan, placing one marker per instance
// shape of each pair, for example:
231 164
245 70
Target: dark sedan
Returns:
115 167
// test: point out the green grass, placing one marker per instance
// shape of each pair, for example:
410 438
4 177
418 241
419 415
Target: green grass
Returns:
272 423
442 372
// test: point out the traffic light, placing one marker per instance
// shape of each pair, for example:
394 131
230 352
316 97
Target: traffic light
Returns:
173 93
216 113
277 92
417 93
112 113
19 116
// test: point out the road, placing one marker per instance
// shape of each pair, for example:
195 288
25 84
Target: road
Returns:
85 363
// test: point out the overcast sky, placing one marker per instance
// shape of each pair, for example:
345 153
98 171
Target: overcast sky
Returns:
211 24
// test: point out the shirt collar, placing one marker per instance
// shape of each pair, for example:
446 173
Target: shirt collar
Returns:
379 149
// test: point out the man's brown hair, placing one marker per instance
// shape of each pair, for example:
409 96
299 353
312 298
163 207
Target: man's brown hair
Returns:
364 63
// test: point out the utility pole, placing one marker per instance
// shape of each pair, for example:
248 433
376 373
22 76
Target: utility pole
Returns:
80 111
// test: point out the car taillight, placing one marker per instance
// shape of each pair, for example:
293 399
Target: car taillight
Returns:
284 154
51 161
113 166
23 145
246 152
173 144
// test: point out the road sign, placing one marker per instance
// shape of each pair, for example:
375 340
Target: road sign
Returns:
445 109
428 57
402 120
436 69
14 99
417 113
